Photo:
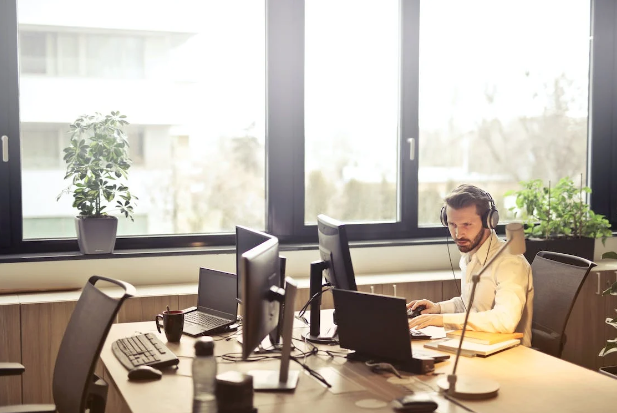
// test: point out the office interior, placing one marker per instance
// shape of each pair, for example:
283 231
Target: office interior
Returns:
47 276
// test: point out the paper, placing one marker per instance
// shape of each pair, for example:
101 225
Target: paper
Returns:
434 332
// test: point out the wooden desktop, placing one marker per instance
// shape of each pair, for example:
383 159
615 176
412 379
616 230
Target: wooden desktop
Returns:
530 381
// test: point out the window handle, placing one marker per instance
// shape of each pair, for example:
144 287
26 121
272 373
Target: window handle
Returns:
5 148
412 148
372 289
394 288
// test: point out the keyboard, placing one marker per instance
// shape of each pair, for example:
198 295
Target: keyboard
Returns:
205 320
418 335
143 349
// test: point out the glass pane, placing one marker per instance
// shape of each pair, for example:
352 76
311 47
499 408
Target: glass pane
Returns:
33 52
190 80
351 109
503 96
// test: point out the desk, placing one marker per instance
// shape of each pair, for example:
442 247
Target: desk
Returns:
530 382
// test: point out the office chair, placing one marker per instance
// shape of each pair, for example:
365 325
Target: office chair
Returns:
75 387
557 280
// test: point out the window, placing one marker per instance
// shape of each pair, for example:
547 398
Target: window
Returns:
351 110
267 113
192 89
508 104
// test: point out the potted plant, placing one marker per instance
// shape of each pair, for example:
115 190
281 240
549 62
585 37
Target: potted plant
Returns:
97 163
611 344
559 218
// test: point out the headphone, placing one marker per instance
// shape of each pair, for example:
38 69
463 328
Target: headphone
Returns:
490 218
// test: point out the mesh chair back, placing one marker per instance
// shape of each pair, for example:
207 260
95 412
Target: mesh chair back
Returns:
557 280
82 343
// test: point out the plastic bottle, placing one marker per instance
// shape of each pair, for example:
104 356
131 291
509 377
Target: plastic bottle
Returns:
204 376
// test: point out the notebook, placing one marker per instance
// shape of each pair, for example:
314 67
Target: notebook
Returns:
217 306
470 349
482 337
376 327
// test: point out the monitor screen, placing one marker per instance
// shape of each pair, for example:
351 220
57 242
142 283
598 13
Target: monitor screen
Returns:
259 272
334 251
246 239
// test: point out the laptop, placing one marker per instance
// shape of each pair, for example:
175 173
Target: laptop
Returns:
376 327
217 306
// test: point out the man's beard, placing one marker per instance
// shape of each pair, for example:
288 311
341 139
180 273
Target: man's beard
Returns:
473 244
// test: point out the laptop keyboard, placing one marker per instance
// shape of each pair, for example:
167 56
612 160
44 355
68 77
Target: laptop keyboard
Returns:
205 320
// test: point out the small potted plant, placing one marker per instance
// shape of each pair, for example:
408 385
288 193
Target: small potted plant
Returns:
558 218
97 163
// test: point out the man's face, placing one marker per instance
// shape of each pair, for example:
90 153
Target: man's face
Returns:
466 228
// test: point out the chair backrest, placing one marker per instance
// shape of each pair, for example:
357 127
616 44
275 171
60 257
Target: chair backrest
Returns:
557 280
82 343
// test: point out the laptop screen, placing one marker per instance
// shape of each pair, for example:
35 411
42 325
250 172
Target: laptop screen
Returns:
217 292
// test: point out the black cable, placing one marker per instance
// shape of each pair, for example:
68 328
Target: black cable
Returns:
460 294
300 315
273 354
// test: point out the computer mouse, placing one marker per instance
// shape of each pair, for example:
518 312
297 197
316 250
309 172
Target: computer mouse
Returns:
145 373
414 403
416 312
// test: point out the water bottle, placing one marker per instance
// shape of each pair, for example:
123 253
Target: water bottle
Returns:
204 376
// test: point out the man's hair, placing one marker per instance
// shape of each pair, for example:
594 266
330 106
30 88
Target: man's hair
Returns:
466 195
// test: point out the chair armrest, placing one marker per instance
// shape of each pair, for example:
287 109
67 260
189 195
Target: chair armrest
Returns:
11 369
29 408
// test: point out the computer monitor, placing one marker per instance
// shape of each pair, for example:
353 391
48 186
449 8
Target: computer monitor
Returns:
262 299
334 251
247 239
335 264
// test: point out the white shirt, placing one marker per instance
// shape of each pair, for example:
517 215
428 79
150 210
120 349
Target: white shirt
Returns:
503 301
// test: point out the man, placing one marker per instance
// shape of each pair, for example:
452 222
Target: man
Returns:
504 295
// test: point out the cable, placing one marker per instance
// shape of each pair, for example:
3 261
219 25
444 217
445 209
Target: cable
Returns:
383 366
300 315
273 354
450 258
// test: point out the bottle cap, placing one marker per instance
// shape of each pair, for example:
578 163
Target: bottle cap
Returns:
204 346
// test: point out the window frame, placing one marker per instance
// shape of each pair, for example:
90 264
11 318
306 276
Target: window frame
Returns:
285 135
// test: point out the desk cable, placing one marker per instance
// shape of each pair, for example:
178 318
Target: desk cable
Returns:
272 354
300 316
375 366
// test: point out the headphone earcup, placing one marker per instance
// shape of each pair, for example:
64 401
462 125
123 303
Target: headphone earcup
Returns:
443 216
491 219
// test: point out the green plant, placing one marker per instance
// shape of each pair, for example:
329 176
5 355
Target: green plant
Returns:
560 211
611 344
96 157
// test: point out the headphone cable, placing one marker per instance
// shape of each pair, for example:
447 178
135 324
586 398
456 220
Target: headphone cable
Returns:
452 268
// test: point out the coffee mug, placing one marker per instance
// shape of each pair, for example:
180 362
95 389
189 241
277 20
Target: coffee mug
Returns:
173 324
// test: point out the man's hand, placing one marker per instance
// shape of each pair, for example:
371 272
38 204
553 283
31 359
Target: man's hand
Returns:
426 320
431 307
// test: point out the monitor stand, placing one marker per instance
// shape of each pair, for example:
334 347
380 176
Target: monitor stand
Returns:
284 379
314 334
